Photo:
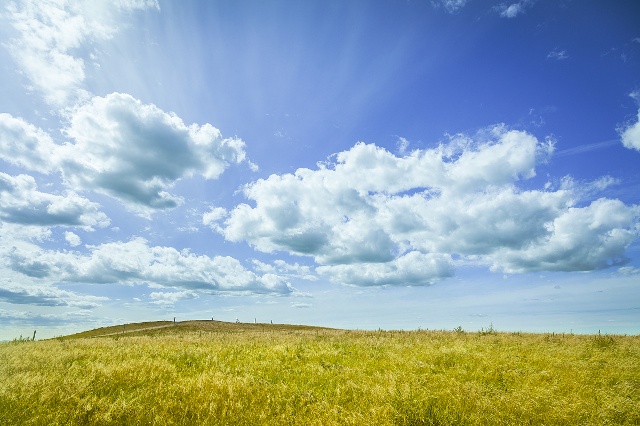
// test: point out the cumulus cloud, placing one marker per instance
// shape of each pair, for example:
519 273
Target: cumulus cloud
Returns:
119 146
578 239
73 239
48 32
135 152
630 135
373 218
136 262
22 203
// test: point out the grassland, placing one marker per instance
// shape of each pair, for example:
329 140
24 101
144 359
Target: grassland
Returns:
213 373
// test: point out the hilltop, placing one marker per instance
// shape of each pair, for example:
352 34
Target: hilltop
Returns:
158 328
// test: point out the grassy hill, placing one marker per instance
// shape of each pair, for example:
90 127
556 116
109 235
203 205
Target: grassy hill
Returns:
216 373
156 328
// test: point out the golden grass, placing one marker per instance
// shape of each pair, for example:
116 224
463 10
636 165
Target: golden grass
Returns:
214 373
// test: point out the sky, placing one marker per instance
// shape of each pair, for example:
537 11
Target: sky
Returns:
389 164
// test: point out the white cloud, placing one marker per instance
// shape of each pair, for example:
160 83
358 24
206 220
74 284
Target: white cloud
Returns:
47 296
451 6
284 269
22 203
136 262
412 269
578 239
135 152
403 145
131 151
49 31
213 217
629 270
170 298
334 214
580 149
630 135
301 305
558 55
365 217
73 239
25 145
514 9
23 318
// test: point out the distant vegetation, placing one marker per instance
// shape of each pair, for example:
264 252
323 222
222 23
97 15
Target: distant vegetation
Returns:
214 373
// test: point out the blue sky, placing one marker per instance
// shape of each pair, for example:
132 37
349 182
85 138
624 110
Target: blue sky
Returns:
388 164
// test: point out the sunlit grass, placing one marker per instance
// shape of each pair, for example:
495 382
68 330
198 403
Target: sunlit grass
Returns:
245 374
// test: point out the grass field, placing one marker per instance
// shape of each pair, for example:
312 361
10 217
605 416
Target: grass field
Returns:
214 373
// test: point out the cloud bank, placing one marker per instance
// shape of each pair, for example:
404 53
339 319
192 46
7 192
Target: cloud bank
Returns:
135 262
372 218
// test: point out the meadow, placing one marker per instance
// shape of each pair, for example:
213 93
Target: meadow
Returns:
215 373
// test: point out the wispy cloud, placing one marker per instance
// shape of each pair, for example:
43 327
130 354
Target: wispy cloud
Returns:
451 6
168 299
402 145
48 34
514 9
581 149
301 305
558 55
629 270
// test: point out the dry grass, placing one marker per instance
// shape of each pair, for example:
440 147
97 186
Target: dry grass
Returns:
216 373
